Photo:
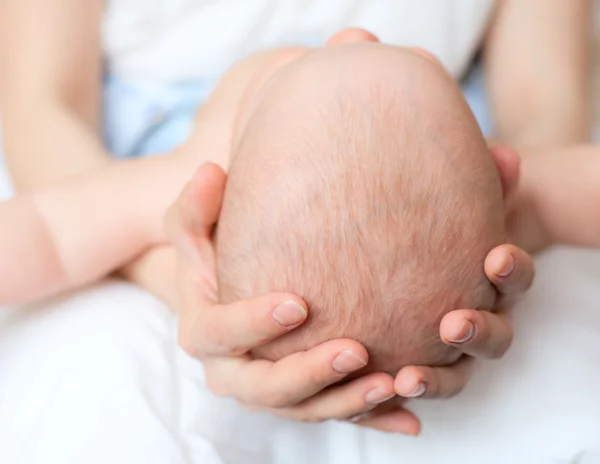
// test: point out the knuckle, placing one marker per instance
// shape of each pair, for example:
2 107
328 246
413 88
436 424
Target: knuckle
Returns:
280 399
214 335
201 335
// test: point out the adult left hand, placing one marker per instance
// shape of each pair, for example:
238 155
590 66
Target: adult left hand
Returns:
478 334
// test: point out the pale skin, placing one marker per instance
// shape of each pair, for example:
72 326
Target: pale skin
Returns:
60 210
59 140
51 220
209 183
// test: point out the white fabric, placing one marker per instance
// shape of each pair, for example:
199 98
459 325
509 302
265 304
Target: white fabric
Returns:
97 378
190 39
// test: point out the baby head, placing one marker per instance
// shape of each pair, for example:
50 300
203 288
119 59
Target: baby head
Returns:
362 184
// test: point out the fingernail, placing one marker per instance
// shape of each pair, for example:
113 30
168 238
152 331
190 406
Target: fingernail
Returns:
378 395
347 362
466 333
508 267
419 391
289 314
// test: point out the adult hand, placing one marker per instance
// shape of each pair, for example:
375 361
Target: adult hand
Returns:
477 333
297 387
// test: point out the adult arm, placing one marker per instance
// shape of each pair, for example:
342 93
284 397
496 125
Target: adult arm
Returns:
50 86
537 63
50 77
558 199
295 387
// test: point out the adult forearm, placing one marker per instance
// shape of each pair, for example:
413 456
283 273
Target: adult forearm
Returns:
48 142
547 125
558 198
537 60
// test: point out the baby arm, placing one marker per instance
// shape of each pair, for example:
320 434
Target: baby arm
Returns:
214 128
72 234
102 220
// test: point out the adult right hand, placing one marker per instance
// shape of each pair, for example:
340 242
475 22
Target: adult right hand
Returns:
297 387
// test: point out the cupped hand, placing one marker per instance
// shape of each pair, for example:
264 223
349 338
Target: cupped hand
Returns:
300 386
477 334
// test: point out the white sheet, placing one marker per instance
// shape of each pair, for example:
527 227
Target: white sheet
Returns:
96 377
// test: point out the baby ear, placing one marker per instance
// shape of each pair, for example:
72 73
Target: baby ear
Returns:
508 164
352 35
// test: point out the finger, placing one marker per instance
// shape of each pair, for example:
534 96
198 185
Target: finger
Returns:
236 328
355 397
508 164
288 381
397 421
174 222
477 333
203 205
197 285
189 223
510 269
433 382
196 211
178 225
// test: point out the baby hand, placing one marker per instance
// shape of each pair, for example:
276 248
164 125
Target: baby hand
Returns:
296 387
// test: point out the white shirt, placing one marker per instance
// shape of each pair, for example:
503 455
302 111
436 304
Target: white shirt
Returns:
175 40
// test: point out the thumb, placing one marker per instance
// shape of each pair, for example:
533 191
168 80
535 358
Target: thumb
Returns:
202 204
192 218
